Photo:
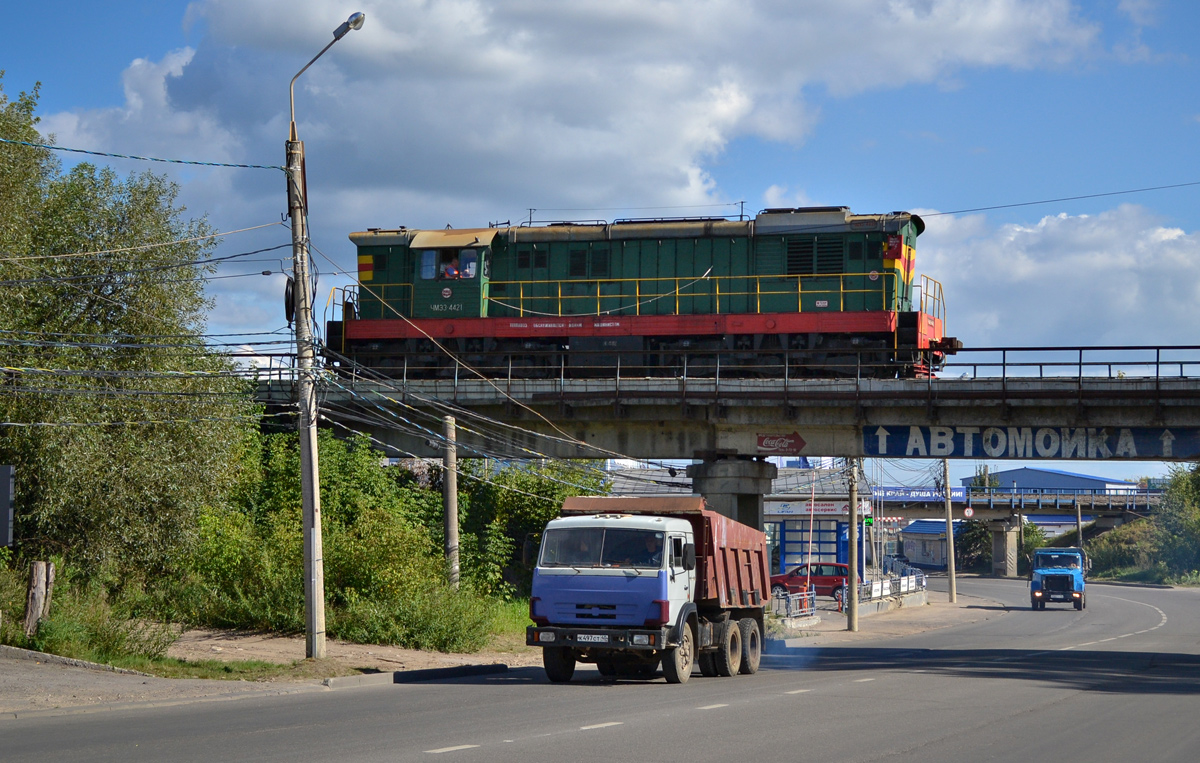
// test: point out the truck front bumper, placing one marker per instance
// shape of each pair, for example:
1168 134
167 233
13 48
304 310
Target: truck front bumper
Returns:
642 639
1043 595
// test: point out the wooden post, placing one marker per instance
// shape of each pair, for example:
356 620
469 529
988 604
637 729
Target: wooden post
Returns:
37 600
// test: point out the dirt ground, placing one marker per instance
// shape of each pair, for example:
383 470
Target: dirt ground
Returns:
204 644
33 687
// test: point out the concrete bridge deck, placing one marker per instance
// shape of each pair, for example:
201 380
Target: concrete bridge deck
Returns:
1026 403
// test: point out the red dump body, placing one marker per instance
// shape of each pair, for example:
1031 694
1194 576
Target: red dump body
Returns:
732 562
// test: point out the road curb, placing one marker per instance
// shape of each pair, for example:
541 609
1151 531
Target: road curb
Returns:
54 659
413 676
1123 584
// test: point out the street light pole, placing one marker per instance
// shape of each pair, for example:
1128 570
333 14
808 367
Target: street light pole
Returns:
310 484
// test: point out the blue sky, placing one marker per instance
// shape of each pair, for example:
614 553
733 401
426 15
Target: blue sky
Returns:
468 111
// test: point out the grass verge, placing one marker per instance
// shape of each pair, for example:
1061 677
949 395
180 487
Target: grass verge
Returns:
239 670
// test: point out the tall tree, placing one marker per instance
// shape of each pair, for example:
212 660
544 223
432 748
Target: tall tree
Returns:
121 421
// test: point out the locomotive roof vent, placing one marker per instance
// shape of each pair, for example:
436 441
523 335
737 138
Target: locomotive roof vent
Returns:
774 220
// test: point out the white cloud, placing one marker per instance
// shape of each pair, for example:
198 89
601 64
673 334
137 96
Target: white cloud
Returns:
1120 277
1140 12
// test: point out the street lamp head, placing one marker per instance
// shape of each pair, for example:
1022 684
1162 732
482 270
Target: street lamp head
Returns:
354 22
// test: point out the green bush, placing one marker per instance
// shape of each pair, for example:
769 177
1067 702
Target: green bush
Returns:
385 578
1123 548
85 621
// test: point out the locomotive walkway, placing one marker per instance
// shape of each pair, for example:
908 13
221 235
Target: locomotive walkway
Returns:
1085 403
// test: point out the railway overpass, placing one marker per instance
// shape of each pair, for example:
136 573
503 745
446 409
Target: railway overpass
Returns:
1062 403
1094 403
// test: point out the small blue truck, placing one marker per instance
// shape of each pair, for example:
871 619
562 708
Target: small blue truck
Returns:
1058 574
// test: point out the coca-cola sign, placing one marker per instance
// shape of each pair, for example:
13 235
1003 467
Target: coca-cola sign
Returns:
783 444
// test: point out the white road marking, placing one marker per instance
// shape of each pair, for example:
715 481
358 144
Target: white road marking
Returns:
863 680
452 749
711 707
1161 623
601 725
798 691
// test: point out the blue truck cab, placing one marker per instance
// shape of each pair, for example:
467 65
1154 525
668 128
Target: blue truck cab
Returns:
1058 574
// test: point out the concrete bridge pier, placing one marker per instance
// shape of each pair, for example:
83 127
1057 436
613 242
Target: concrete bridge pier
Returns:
1004 548
734 486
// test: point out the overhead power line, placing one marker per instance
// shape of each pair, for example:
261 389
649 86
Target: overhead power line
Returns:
1064 198
140 247
144 158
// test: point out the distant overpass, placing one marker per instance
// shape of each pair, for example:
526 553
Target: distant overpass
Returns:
1065 403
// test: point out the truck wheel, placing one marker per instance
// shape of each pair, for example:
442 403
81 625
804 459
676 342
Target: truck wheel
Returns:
677 662
1085 601
606 668
1079 603
708 667
751 645
728 657
1033 604
559 663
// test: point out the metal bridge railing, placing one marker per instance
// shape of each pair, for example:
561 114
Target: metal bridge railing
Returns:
1098 362
911 581
802 604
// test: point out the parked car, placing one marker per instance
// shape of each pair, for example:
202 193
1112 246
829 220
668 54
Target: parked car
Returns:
826 579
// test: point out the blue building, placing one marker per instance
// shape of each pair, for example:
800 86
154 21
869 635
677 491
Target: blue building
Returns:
1028 480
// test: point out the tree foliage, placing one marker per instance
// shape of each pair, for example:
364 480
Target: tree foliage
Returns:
121 422
1177 524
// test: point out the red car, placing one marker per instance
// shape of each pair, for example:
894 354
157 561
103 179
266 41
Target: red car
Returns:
827 579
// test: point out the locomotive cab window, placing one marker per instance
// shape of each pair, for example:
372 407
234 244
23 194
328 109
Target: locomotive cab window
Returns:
448 264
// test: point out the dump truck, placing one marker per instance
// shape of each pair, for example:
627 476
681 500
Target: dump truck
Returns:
1058 574
633 583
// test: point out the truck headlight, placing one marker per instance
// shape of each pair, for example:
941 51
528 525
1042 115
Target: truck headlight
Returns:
1037 593
641 639
546 635
1077 594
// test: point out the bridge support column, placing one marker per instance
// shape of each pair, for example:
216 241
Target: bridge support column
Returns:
1004 549
734 487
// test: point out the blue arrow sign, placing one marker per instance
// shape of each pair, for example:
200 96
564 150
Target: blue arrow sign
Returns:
1060 443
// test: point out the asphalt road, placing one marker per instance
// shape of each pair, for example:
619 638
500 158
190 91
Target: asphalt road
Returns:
1118 681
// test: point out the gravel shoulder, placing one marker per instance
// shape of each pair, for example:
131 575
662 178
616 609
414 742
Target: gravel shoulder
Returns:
33 687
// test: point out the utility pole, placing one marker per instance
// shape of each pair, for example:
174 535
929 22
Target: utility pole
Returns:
1078 523
310 483
949 530
851 593
450 500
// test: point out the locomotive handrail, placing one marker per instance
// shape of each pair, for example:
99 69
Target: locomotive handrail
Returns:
677 288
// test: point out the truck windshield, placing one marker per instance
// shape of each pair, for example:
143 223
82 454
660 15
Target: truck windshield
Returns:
602 547
1056 560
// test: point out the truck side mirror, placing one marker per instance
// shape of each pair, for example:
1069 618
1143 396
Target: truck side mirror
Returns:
689 556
